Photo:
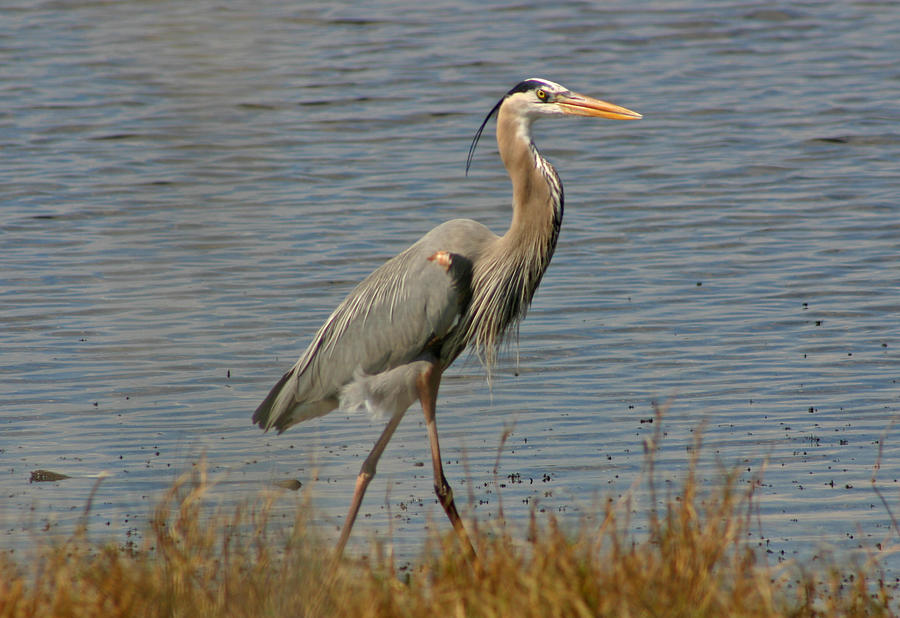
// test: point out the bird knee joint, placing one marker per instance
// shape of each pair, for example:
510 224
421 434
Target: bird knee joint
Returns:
444 493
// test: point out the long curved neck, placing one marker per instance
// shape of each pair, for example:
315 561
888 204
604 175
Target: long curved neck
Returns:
537 190
506 276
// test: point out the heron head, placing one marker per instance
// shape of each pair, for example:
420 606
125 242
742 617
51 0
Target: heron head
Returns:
541 97
536 97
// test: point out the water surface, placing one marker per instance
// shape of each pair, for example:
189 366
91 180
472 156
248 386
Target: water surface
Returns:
188 189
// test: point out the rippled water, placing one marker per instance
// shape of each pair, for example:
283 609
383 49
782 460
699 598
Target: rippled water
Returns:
188 189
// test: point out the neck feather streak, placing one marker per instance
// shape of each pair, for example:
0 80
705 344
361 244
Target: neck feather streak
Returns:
506 277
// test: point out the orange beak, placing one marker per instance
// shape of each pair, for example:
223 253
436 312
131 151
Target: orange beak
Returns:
581 105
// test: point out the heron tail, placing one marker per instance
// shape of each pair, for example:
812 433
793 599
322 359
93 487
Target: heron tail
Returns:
275 409
284 406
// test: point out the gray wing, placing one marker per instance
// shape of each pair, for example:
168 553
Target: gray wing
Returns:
402 312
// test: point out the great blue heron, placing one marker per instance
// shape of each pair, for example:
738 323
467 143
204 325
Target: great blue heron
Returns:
388 343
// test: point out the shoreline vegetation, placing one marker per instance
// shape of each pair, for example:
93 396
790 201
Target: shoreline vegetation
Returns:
693 560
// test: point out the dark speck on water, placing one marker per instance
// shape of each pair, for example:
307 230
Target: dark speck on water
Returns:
187 190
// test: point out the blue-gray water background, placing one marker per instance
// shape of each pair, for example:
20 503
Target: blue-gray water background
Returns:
188 188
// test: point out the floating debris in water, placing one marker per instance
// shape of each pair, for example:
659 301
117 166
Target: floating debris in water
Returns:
292 484
45 476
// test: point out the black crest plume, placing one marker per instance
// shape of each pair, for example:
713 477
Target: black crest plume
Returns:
522 86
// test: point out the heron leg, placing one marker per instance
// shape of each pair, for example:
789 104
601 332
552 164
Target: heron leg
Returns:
428 383
365 476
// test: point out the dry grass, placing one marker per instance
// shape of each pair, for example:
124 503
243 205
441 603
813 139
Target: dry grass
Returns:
693 562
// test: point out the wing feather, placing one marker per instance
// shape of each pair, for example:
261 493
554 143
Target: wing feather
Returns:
400 312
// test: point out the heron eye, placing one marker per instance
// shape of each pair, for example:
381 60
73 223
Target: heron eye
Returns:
541 95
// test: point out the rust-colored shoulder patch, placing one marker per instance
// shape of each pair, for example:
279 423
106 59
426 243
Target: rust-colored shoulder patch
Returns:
442 258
